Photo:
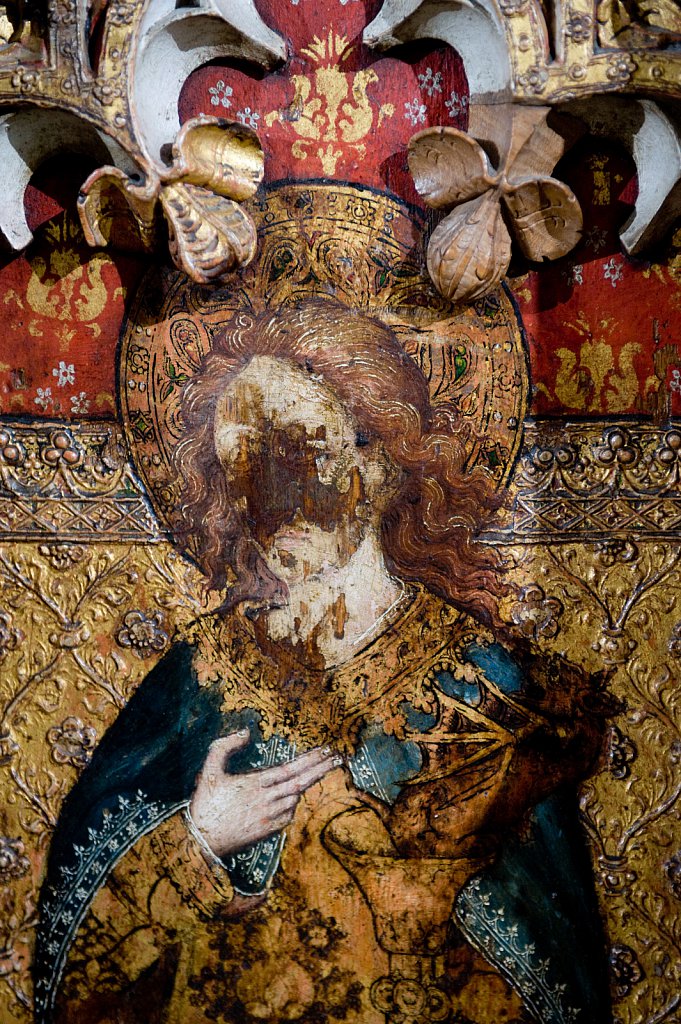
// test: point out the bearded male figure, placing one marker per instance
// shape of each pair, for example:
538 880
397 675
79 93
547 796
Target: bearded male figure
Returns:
355 682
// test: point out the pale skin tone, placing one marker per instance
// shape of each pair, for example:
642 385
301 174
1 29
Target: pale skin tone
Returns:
233 811
319 566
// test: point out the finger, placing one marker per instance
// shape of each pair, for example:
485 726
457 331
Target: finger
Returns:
281 804
282 772
280 821
306 778
222 749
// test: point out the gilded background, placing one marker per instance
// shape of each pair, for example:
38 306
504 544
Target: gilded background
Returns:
92 591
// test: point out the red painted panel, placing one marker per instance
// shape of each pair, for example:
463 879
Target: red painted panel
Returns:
337 110
602 329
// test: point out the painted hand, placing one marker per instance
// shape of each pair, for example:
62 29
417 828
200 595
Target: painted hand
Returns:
233 811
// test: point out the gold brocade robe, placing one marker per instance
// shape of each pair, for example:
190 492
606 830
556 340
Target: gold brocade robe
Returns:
167 939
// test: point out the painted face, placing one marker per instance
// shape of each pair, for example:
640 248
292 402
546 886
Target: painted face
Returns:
297 465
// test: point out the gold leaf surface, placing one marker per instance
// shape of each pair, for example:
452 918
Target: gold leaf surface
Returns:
223 156
114 210
209 234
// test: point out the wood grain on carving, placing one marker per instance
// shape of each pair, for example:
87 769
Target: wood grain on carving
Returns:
470 250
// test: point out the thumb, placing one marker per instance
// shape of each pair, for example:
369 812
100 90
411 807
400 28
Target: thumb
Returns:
222 749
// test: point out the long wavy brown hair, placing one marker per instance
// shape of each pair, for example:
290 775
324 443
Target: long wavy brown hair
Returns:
430 529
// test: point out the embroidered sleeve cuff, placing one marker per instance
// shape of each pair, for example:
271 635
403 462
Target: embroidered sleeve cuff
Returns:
194 870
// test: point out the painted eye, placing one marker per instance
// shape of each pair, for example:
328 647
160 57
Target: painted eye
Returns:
361 439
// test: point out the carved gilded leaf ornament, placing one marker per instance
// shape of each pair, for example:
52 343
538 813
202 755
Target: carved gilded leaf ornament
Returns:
470 250
216 165
117 103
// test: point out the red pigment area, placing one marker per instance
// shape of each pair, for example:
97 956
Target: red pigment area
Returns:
601 327
62 308
336 110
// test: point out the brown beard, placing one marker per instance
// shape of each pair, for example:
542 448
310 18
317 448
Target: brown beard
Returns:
256 586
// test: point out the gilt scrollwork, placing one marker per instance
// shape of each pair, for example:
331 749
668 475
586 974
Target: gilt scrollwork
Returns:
626 596
598 517
59 691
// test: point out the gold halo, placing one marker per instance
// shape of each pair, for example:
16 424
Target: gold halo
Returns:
364 248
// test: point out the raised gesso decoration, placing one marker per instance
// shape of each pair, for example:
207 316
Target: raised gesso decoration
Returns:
340 509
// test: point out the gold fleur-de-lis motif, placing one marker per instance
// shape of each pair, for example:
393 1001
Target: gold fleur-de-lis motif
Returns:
330 106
